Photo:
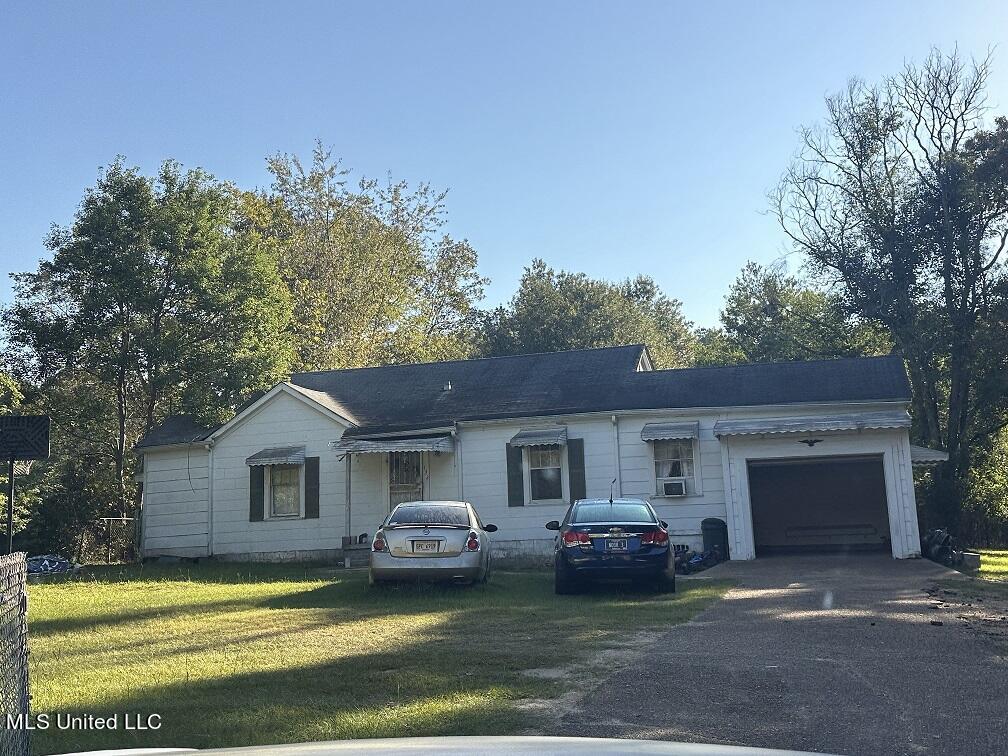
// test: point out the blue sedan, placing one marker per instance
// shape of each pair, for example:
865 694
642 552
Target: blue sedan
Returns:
603 539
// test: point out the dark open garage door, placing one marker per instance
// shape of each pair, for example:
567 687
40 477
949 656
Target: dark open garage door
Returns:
828 504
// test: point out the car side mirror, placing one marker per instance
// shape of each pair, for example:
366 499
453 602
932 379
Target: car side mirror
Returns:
490 528
553 525
663 524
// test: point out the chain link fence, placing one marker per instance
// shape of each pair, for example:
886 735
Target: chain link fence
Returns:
111 540
13 656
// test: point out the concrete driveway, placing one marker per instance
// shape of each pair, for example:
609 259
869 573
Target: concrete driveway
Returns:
826 653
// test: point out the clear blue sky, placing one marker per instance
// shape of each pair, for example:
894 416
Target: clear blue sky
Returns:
612 138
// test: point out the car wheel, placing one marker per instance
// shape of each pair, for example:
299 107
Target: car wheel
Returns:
372 580
665 582
564 584
486 574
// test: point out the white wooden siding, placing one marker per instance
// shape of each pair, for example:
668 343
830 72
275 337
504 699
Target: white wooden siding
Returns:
485 475
176 481
283 421
441 481
369 492
683 514
174 516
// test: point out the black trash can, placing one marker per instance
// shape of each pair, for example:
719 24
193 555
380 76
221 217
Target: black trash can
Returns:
715 535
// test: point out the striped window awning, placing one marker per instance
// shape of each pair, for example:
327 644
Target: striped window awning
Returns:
278 455
437 444
669 431
815 424
540 436
921 456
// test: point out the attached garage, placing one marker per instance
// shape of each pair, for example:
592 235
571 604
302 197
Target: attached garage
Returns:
819 504
820 482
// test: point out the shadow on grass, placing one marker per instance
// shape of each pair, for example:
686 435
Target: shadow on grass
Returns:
454 669
208 571
90 622
403 597
420 687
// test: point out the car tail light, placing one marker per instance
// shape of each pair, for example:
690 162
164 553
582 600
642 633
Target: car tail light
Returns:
572 538
472 544
379 543
654 538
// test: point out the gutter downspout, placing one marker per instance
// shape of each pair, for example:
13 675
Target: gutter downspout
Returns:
143 520
616 451
458 463
210 488
346 555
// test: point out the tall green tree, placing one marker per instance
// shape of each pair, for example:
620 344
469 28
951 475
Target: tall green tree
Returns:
986 500
10 398
155 301
901 196
10 393
769 315
374 279
557 310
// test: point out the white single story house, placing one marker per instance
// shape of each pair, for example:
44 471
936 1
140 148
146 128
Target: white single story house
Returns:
809 455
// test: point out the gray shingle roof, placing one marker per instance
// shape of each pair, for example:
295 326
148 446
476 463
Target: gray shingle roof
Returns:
406 397
179 429
413 396
851 379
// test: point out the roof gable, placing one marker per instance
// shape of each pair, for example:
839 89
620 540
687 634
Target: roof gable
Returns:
321 403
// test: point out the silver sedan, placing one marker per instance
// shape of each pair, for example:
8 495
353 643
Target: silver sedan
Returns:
431 540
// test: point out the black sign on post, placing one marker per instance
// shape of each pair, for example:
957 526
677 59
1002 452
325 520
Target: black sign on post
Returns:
23 438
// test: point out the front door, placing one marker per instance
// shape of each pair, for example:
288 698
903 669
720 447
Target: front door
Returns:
405 477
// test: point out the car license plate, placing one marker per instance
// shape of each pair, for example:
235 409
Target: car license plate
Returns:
426 546
615 544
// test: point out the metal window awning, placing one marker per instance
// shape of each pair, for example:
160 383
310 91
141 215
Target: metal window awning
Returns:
278 455
540 436
815 424
437 444
921 456
669 431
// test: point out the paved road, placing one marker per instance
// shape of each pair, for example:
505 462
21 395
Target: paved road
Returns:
827 653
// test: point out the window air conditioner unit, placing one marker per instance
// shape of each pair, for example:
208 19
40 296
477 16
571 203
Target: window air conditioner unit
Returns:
674 486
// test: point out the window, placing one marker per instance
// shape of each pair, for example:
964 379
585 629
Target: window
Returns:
545 475
430 514
285 490
619 511
673 460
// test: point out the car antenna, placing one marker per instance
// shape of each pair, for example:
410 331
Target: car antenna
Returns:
611 489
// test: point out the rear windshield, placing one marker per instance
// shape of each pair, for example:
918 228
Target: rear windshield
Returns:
615 512
429 514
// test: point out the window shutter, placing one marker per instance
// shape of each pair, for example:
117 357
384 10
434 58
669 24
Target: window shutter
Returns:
257 493
515 481
311 492
576 468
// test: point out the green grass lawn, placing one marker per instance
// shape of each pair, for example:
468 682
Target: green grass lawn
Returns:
993 564
240 654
